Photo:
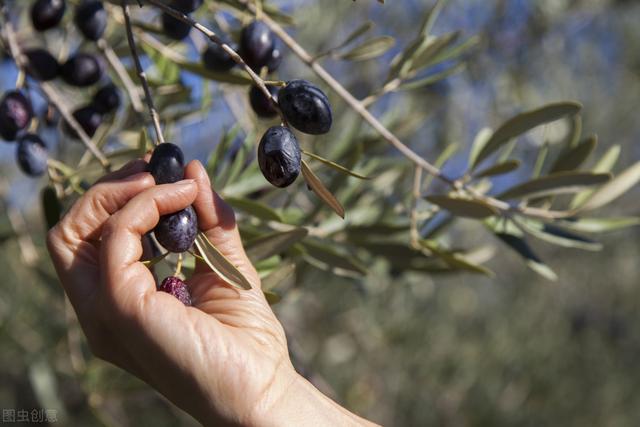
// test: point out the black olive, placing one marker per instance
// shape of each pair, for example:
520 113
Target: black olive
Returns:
32 155
256 45
107 99
216 59
261 104
46 14
167 164
16 113
91 19
186 6
279 156
89 120
41 64
174 27
82 69
305 107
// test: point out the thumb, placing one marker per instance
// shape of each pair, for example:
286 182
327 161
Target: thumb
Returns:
217 220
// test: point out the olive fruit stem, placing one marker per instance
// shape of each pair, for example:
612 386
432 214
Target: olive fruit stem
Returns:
228 49
178 266
155 118
49 92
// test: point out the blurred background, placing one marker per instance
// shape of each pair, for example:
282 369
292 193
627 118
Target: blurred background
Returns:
404 348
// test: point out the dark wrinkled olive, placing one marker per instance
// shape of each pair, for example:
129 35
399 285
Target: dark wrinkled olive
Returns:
91 19
216 59
89 120
256 45
176 232
107 99
32 155
261 104
279 156
167 164
46 14
82 69
41 64
15 114
186 6
175 28
305 107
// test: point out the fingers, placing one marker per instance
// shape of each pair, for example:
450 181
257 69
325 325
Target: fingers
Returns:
125 279
133 167
217 220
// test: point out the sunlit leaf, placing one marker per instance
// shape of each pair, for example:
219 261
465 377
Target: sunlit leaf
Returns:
277 277
362 29
559 183
455 260
220 264
479 142
432 79
321 191
575 156
369 49
432 49
605 164
272 297
498 169
524 122
532 260
465 208
273 244
558 235
613 189
335 166
601 225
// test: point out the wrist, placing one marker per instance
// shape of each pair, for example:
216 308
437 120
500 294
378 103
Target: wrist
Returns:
294 401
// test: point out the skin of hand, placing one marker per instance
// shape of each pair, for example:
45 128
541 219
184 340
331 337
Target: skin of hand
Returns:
225 359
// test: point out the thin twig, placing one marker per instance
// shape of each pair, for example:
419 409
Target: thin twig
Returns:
123 75
228 49
155 118
415 197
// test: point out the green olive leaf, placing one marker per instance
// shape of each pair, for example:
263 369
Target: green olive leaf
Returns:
219 264
51 206
465 208
278 276
254 208
575 156
273 244
524 122
369 49
334 165
321 191
559 183
613 189
498 169
522 248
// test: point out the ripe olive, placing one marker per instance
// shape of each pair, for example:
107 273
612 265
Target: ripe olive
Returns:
175 28
91 19
216 59
16 113
256 45
32 155
167 164
176 232
46 14
41 64
305 107
261 104
107 99
279 156
186 6
82 69
89 120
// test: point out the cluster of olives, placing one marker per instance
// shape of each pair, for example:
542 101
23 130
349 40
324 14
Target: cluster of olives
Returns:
176 232
303 105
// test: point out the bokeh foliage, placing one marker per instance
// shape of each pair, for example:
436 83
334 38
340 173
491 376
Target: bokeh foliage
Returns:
375 321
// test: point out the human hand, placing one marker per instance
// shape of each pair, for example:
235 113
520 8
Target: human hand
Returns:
224 360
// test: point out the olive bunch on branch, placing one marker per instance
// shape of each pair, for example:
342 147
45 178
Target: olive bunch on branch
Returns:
380 205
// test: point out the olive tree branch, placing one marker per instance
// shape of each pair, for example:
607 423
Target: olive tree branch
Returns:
118 67
228 49
155 118
50 92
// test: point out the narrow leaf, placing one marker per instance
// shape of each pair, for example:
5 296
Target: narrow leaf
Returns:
278 276
463 207
272 297
559 183
575 156
498 169
605 164
362 29
613 189
273 244
335 165
453 259
220 264
558 236
523 249
321 191
479 142
601 225
369 49
524 122
432 79
329 256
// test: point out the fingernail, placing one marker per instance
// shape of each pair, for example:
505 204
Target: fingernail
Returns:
186 182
